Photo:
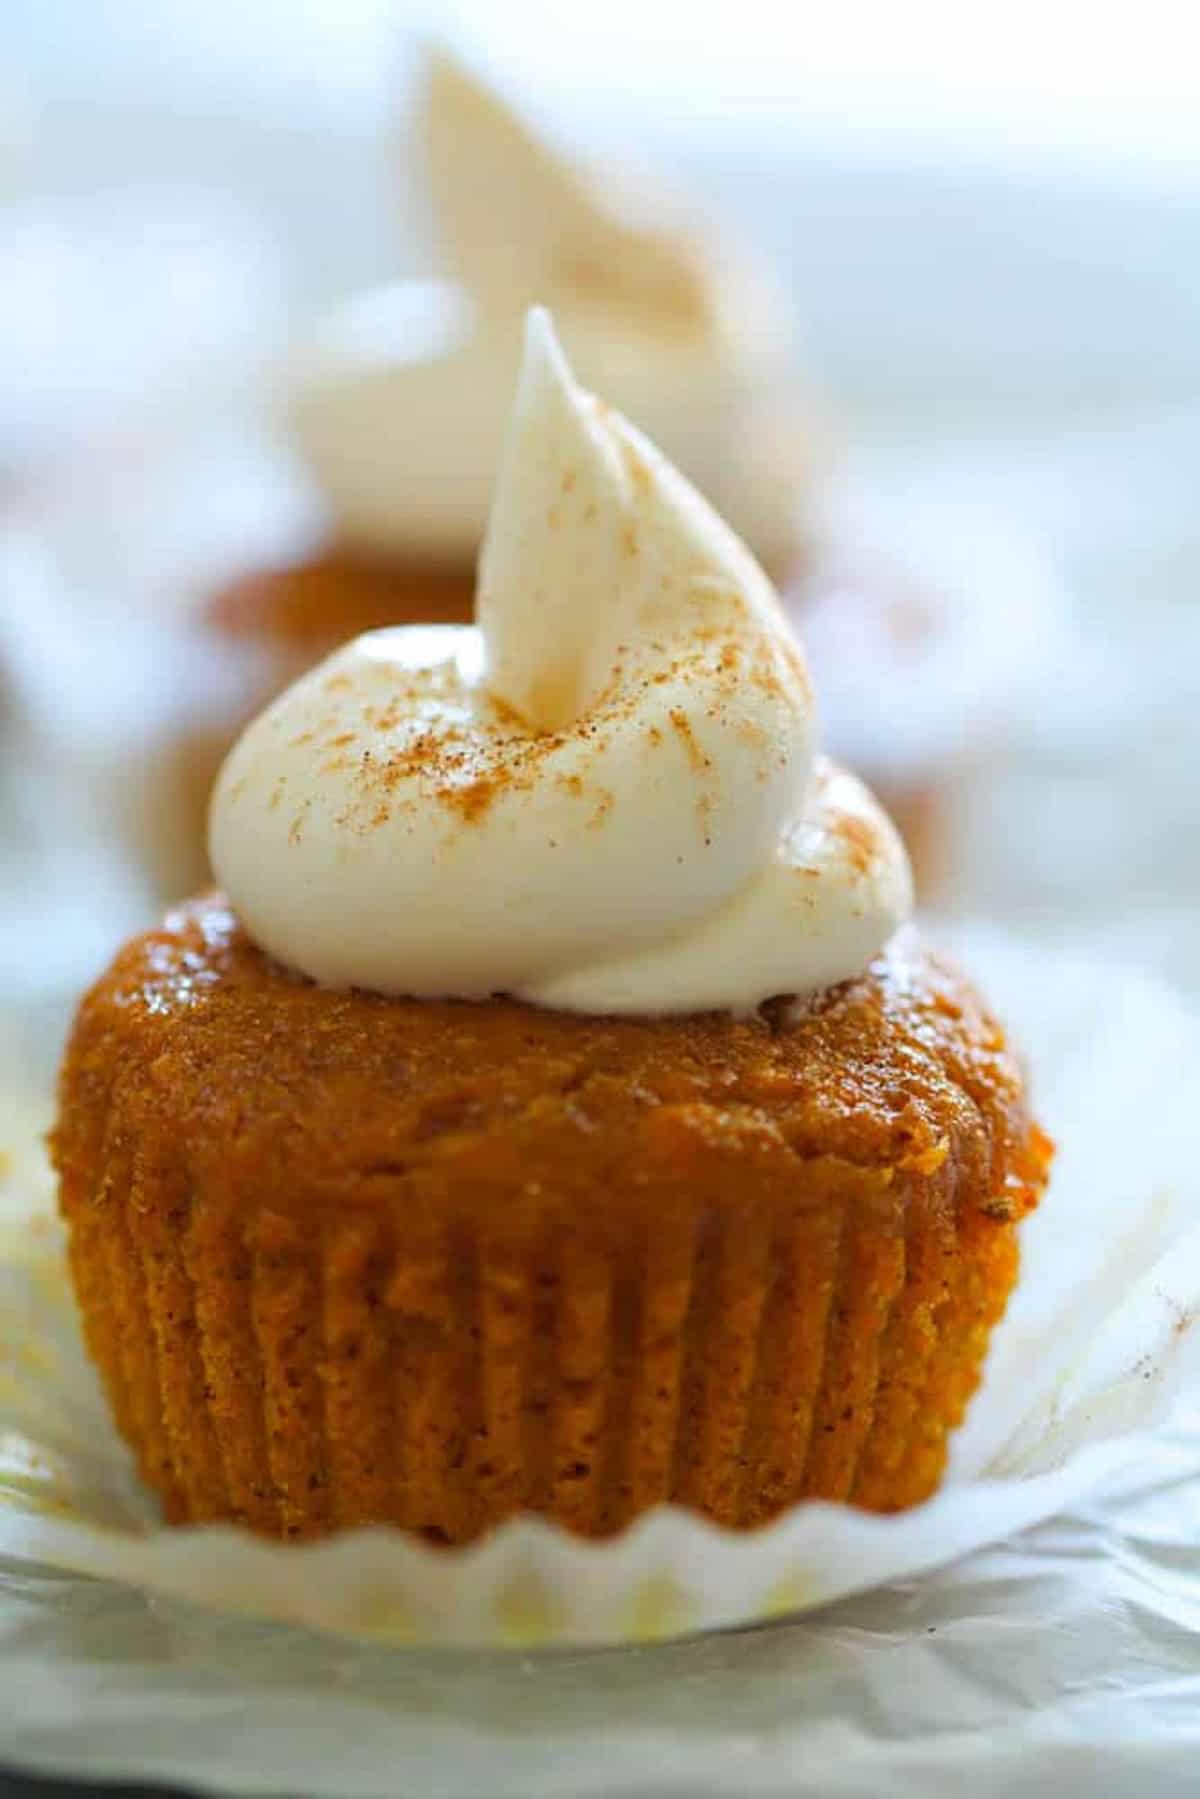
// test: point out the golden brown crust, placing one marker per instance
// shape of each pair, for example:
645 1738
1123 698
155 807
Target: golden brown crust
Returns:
433 1262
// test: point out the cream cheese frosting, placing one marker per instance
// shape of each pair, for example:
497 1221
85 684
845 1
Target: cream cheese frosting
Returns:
604 797
399 402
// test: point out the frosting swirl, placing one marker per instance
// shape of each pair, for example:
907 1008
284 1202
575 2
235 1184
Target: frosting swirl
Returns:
605 797
398 404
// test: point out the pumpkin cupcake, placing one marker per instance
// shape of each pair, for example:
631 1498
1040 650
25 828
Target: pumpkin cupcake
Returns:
555 1113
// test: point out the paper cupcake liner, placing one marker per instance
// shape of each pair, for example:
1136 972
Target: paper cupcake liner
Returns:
302 1383
1098 1332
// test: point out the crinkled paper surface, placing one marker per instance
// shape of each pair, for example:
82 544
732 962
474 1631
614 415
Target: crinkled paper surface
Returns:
1065 1661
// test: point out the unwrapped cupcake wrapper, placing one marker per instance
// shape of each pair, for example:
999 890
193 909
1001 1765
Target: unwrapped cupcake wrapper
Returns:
1110 1247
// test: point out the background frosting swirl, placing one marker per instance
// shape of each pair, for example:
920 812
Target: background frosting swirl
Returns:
399 401
605 797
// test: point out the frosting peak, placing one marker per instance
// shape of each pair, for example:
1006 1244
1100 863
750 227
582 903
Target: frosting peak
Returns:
605 797
599 553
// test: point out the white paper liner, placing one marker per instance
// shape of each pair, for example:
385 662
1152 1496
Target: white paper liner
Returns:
1100 1332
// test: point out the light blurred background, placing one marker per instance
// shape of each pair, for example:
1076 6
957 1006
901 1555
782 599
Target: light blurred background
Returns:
988 224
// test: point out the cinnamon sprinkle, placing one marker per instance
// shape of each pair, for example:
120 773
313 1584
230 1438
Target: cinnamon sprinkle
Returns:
859 839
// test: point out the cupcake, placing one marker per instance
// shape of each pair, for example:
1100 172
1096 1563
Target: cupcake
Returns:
555 1112
396 407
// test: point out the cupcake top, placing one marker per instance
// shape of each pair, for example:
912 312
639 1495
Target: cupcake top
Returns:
398 405
604 797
